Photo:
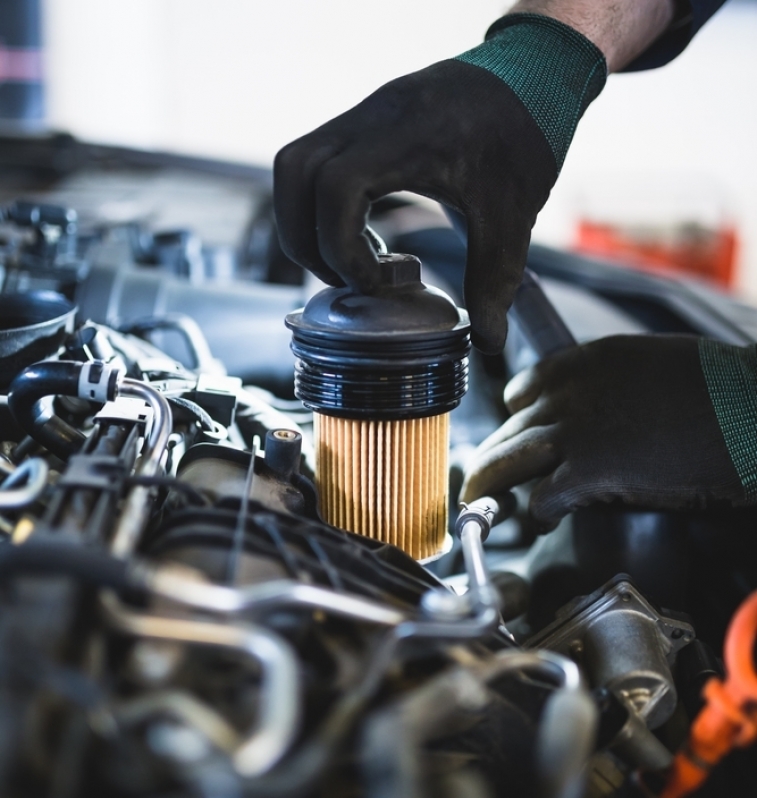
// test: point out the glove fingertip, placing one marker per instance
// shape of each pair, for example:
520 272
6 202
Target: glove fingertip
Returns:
489 341
468 490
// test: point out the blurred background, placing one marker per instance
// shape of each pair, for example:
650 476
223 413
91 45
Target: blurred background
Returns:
662 172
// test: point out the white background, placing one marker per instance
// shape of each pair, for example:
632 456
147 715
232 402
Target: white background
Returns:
237 79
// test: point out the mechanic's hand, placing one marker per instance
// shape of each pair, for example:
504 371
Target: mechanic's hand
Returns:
664 422
485 134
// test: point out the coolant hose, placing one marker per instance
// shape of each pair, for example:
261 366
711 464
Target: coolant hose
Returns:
28 399
567 736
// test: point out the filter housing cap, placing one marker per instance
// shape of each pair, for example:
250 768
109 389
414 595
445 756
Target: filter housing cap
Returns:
399 352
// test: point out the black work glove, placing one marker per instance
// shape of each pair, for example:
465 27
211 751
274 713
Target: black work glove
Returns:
484 133
663 422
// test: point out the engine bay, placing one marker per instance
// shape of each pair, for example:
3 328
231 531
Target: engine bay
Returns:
178 618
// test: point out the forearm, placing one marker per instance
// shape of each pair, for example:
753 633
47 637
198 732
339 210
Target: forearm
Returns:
620 28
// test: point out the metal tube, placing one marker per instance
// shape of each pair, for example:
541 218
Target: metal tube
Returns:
162 422
393 737
135 509
473 526
182 585
545 662
280 683
184 706
568 723
473 553
172 583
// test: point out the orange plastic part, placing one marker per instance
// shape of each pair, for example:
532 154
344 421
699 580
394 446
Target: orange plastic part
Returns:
729 718
707 254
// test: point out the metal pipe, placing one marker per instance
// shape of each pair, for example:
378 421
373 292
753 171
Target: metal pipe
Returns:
475 563
185 586
280 679
171 582
135 509
184 706
162 421
567 728
568 724
473 526
393 737
546 663
34 472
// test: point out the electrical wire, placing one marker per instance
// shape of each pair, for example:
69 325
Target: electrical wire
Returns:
237 544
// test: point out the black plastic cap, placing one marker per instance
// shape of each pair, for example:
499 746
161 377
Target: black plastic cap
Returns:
283 448
399 352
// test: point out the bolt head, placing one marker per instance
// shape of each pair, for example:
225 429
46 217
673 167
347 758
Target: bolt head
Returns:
177 742
441 604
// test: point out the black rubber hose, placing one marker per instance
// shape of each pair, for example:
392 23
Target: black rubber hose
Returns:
537 318
25 400
193 410
54 558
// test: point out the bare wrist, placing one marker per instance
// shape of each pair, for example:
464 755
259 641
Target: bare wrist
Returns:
621 30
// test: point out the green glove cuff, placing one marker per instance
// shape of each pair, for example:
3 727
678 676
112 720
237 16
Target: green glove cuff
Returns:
553 69
731 376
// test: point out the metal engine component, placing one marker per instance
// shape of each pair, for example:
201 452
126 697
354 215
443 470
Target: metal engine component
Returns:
261 637
223 471
624 644
179 616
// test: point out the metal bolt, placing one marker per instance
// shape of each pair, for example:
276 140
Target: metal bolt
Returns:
153 662
443 605
176 742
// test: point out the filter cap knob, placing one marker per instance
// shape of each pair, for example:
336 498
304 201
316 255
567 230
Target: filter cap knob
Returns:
399 307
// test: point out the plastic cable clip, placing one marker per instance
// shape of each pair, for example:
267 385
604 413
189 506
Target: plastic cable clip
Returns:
98 381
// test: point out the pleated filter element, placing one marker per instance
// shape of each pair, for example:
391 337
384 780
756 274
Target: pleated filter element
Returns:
382 371
386 480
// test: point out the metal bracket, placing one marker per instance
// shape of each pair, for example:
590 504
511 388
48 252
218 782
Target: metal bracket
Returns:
624 644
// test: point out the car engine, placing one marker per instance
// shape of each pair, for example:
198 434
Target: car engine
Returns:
176 616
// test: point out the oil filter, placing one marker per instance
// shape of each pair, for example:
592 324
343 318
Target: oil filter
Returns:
382 371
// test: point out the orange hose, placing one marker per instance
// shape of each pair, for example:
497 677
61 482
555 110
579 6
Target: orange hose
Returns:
738 651
729 718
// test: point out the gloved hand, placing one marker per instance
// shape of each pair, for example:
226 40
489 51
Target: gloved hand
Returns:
663 422
484 133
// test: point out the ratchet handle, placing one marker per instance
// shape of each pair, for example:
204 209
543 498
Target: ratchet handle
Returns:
536 317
